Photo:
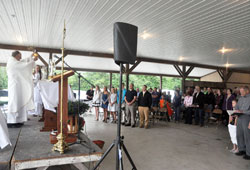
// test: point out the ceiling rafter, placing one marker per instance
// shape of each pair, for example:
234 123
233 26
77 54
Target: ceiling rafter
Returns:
135 73
109 55
225 74
134 66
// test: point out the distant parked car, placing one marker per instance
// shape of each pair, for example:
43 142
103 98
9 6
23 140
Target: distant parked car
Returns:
3 97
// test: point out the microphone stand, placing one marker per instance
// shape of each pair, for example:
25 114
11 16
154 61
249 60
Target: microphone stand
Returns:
80 140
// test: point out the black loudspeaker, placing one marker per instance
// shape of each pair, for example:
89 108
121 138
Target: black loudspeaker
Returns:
125 43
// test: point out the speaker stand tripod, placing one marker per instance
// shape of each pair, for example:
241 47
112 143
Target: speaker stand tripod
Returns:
119 141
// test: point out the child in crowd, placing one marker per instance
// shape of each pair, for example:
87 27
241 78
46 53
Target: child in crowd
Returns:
232 129
112 107
163 107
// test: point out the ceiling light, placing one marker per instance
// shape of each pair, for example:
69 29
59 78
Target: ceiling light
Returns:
19 39
225 50
145 35
111 49
228 65
181 58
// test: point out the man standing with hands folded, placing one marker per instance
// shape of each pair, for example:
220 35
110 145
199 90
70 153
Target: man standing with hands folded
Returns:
144 105
130 99
243 133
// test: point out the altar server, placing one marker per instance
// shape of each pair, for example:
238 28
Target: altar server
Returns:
37 76
20 87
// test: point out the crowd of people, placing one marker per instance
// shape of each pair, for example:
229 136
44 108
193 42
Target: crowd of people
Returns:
195 104
130 100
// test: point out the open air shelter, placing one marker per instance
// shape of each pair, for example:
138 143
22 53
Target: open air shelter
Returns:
200 39
192 39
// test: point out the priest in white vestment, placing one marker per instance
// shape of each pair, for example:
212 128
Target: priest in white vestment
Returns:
20 87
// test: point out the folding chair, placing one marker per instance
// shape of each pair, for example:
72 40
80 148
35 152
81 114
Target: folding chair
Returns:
218 112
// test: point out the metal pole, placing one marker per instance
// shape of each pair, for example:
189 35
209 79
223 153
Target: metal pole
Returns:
118 147
79 102
110 81
161 82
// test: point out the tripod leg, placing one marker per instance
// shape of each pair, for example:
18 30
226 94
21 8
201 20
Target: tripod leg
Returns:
120 157
103 157
129 158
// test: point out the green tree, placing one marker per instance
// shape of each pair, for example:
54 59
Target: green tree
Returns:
3 78
171 83
102 79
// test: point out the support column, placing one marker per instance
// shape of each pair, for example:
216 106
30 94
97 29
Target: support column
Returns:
161 82
183 85
110 81
47 69
183 79
224 74
127 81
184 74
127 76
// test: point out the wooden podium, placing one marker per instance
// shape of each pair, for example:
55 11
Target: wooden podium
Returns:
70 138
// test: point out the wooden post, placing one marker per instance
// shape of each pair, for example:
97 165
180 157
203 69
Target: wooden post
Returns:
127 76
110 81
183 79
225 75
127 81
183 85
47 69
161 82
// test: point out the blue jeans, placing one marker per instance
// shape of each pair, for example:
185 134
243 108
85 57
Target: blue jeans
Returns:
177 113
207 114
199 116
155 104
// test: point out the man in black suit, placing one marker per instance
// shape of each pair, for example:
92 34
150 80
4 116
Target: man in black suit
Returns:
144 105
210 101
198 101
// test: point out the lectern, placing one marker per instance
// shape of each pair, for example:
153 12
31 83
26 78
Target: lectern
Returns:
70 138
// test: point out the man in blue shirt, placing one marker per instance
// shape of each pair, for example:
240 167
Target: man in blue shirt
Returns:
123 93
155 98
130 100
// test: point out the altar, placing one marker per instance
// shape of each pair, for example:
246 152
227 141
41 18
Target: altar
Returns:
49 92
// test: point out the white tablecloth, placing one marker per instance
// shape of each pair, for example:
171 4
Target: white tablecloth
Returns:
4 134
50 93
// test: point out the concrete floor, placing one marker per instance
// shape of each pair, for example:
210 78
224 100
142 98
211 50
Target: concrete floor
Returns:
168 146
